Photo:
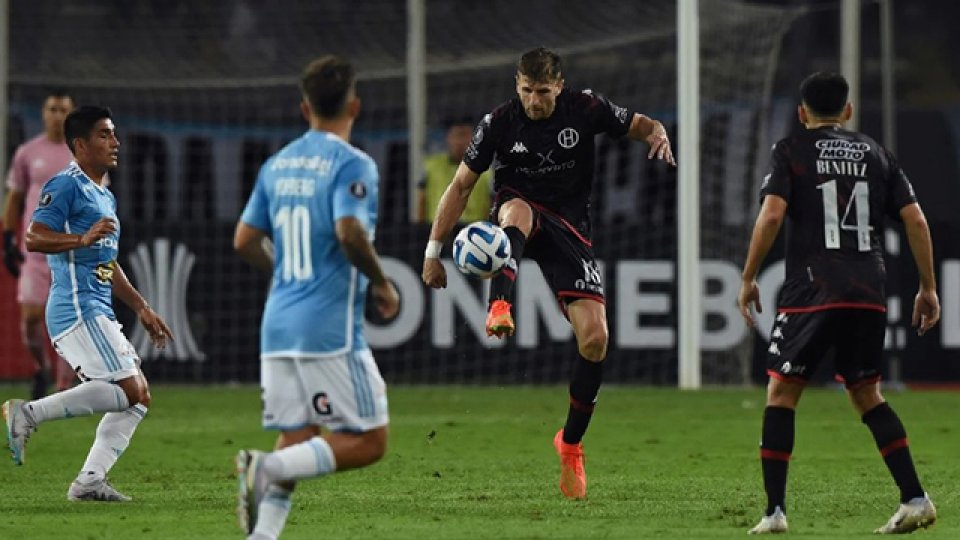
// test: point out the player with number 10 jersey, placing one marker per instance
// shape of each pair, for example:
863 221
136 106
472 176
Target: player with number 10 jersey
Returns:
300 194
838 185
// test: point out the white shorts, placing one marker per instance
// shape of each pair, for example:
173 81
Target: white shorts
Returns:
96 349
340 393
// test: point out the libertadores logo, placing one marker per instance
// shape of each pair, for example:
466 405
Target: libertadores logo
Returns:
163 280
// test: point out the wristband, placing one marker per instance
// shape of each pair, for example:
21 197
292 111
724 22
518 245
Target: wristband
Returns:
433 249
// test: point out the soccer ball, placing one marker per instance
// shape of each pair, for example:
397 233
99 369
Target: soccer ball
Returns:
481 249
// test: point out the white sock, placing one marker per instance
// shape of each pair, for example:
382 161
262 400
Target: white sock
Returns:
308 459
81 400
113 437
272 513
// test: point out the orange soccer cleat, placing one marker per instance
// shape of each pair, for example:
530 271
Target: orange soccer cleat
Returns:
499 320
573 479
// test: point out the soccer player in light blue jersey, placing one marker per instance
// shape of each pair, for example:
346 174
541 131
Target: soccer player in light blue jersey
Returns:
317 200
76 225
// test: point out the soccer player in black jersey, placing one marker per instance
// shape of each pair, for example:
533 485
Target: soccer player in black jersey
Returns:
541 147
834 186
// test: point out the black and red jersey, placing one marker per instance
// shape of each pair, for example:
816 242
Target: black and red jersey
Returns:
838 185
548 162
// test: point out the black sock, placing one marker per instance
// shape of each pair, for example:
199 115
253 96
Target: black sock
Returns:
39 389
501 285
891 439
584 386
776 446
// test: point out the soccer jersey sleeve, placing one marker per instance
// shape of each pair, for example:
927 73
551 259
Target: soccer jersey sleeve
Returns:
257 212
899 190
56 200
18 177
777 181
355 191
606 116
482 146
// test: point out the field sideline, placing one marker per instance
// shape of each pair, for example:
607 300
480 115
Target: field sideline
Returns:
477 462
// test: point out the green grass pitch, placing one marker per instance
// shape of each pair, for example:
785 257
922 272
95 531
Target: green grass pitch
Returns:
477 462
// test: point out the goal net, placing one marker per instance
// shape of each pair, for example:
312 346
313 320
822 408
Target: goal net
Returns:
203 92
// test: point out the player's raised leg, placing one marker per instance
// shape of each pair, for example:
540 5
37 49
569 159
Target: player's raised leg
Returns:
515 217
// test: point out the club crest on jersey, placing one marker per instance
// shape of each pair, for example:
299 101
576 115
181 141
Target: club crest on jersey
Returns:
358 190
45 199
568 138
104 272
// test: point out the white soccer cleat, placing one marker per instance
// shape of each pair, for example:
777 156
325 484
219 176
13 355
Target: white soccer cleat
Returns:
917 513
98 490
251 486
772 524
19 427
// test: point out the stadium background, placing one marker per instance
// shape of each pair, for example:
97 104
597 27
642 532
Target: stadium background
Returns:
204 91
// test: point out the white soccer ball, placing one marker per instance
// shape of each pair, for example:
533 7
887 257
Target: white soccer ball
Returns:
481 249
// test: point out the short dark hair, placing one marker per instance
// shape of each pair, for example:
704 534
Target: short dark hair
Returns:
325 84
825 93
540 65
79 123
454 121
58 93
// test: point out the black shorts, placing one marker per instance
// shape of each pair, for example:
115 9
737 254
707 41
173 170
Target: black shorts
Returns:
564 253
800 340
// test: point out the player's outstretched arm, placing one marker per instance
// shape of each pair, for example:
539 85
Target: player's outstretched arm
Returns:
354 241
764 234
449 210
644 128
926 305
43 239
129 295
253 246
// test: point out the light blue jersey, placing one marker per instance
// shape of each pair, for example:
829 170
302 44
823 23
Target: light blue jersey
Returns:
82 287
315 307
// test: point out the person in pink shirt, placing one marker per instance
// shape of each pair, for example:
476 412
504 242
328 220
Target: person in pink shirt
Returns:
35 162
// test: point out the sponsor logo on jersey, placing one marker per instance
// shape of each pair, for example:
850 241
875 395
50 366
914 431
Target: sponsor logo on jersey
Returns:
840 149
568 138
518 148
104 272
45 199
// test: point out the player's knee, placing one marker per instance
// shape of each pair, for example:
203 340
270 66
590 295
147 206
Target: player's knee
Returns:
593 346
782 394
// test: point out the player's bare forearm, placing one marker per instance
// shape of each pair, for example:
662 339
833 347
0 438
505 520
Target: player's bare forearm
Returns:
765 232
644 128
353 239
12 210
921 245
125 291
42 239
453 202
251 244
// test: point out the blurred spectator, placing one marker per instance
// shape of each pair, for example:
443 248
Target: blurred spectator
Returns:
438 171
